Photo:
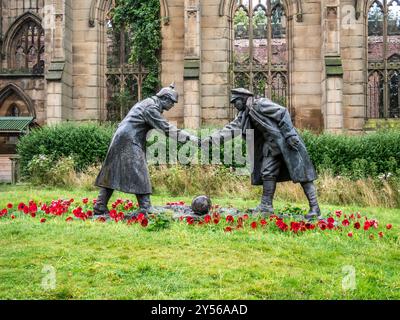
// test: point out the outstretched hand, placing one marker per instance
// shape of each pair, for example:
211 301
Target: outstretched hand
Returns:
195 140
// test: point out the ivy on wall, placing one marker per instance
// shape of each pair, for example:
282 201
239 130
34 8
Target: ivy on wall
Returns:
142 20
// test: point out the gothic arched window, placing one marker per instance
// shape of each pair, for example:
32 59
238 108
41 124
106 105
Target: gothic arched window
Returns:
260 48
384 59
124 80
27 48
13 111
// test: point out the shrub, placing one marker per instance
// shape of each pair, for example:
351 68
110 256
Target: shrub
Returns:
86 143
44 171
356 157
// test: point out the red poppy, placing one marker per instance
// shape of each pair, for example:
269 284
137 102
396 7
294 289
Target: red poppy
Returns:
310 226
216 215
43 220
345 223
228 229
12 217
230 219
294 226
33 208
216 221
331 226
331 220
357 225
322 226
190 220
338 213
120 216
373 223
366 225
132 221
272 217
101 219
358 215
3 212
263 222
254 225
281 225
33 215
246 216
380 234
85 200
68 219
113 213
389 226
9 205
207 218
350 234
21 206
144 222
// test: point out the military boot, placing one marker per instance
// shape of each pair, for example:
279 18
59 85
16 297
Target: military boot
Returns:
100 208
144 203
266 208
311 193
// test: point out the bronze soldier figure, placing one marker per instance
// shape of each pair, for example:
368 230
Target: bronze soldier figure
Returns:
125 168
279 153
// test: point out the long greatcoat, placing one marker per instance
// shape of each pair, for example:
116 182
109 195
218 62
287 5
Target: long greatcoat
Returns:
274 120
125 168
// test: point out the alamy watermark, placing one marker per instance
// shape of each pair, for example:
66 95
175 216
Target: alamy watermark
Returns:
349 278
49 280
231 148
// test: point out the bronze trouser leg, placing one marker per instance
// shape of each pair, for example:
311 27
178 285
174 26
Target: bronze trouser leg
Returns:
269 187
144 201
100 207
311 194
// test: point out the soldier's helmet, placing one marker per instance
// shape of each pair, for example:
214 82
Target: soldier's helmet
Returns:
239 93
169 92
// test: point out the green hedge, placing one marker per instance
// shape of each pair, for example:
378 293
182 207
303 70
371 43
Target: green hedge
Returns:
355 156
86 143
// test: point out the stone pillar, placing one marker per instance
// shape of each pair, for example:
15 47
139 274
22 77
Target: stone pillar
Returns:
354 59
332 82
57 25
192 64
306 67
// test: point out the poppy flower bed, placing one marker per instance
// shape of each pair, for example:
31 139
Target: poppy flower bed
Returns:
347 225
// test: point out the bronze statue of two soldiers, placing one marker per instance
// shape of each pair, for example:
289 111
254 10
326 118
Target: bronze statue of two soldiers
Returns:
279 153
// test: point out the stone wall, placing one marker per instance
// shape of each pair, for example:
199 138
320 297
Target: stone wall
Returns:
5 168
319 99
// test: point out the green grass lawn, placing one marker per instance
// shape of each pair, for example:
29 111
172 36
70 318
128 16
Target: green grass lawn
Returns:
116 261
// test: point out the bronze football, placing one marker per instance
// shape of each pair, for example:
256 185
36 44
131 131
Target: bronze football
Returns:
201 205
